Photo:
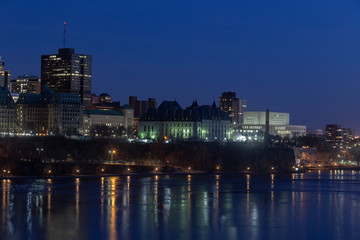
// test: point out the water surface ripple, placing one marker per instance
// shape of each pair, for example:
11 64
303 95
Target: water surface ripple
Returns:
315 205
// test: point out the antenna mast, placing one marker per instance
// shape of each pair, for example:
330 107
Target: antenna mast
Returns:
64 33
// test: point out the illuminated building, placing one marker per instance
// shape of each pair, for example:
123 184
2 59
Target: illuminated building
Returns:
253 127
259 118
100 123
95 99
68 72
4 75
235 107
128 112
108 123
334 133
8 116
50 113
140 107
105 98
349 134
319 132
195 123
26 84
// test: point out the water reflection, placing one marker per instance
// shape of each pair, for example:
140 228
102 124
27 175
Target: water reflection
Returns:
112 208
304 206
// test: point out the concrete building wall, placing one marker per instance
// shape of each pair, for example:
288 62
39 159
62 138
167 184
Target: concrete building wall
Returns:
259 118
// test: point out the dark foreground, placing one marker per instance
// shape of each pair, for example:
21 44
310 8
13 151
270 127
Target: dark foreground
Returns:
315 205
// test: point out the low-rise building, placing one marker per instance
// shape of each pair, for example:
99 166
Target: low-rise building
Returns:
195 123
100 123
26 84
50 113
254 126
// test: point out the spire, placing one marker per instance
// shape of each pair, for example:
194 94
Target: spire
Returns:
196 103
64 34
213 105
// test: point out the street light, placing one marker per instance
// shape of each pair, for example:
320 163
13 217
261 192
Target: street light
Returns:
39 150
112 152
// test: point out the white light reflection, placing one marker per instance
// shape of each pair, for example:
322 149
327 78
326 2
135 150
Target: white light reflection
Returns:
77 197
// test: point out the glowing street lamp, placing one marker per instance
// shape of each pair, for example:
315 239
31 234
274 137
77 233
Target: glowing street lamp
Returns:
112 152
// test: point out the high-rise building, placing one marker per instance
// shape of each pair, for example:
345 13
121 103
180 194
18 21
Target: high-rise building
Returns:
68 72
4 75
233 106
26 84
348 134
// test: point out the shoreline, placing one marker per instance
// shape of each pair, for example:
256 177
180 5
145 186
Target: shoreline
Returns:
165 174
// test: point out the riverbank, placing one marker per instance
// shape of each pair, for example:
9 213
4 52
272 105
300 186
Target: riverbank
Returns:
53 156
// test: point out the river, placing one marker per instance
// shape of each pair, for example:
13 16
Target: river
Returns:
312 205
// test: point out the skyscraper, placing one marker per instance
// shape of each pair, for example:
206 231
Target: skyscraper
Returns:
4 75
233 106
68 72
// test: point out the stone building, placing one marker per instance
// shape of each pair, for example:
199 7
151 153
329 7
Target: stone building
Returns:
8 117
50 113
195 123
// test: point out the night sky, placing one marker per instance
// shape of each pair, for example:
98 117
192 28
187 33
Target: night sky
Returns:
298 56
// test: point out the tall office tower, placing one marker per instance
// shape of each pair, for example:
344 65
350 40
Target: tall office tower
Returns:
26 84
4 75
68 72
233 106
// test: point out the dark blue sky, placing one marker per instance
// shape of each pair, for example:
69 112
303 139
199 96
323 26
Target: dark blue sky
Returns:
300 56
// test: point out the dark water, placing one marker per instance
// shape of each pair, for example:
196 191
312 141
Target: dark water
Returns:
316 205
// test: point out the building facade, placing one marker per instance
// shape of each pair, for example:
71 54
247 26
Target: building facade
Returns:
140 107
259 118
334 133
26 84
8 114
4 75
128 113
233 106
195 123
68 72
50 113
254 126
101 123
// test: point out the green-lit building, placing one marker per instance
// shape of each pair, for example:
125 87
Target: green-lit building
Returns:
195 123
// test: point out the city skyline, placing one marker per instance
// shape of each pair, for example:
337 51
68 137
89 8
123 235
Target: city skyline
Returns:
272 56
